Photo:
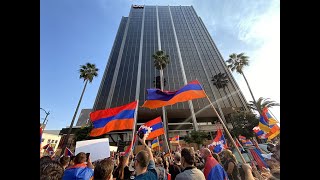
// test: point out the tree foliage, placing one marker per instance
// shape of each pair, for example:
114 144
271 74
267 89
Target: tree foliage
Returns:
243 123
197 137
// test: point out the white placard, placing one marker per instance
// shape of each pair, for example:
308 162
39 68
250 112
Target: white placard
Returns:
98 148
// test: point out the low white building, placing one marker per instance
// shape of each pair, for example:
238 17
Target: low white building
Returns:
50 137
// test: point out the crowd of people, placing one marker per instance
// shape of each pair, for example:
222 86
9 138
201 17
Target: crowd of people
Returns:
186 164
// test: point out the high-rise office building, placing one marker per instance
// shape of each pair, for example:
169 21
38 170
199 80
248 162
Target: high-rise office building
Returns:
180 33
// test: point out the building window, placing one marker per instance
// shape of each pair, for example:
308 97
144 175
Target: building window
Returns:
48 141
56 141
52 141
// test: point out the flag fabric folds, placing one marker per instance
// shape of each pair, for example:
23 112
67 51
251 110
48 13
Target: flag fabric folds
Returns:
175 139
153 128
155 143
261 134
46 146
67 152
266 120
213 170
50 150
113 119
242 138
157 98
274 131
248 143
219 142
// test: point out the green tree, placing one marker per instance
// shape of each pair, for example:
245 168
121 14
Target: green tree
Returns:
262 103
87 73
197 137
243 123
236 62
221 81
160 62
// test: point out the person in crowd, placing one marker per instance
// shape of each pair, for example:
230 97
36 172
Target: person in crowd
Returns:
176 167
144 163
51 170
82 168
64 161
212 169
230 165
71 162
45 159
159 168
190 172
275 149
122 171
199 162
248 172
216 156
104 169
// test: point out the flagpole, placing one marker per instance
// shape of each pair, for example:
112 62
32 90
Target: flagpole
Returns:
224 126
134 128
158 144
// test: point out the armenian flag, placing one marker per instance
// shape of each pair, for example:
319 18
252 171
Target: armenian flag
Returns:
157 98
67 152
261 134
175 139
113 119
153 128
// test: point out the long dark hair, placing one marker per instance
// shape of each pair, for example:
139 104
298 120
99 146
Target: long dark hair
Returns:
121 166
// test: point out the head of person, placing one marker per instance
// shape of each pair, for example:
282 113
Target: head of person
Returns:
51 170
80 158
64 161
123 162
103 170
141 160
228 155
216 156
158 161
187 157
45 159
71 162
177 157
205 152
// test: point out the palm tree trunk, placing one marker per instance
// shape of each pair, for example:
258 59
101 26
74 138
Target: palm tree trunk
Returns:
165 122
74 117
254 100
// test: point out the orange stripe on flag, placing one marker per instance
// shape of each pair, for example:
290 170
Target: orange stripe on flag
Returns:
156 133
113 126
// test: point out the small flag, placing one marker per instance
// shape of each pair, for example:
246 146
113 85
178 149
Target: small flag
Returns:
153 128
174 139
248 143
261 134
157 98
155 143
67 152
242 138
219 142
46 146
113 119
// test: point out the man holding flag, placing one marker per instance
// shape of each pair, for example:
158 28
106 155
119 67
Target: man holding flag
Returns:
212 169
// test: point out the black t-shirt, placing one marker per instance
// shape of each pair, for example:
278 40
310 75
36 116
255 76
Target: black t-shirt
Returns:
174 170
126 174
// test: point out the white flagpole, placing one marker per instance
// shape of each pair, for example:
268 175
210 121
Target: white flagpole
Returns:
224 126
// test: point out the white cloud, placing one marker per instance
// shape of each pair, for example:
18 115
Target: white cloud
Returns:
263 73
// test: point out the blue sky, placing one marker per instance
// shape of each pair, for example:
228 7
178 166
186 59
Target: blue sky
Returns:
73 32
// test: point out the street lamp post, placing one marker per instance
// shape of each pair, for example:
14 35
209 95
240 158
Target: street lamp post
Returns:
47 113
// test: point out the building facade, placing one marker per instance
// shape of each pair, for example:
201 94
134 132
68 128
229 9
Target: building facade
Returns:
180 33
51 137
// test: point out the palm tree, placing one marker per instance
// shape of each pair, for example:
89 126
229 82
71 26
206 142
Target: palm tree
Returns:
156 82
87 73
262 103
221 80
236 62
160 62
